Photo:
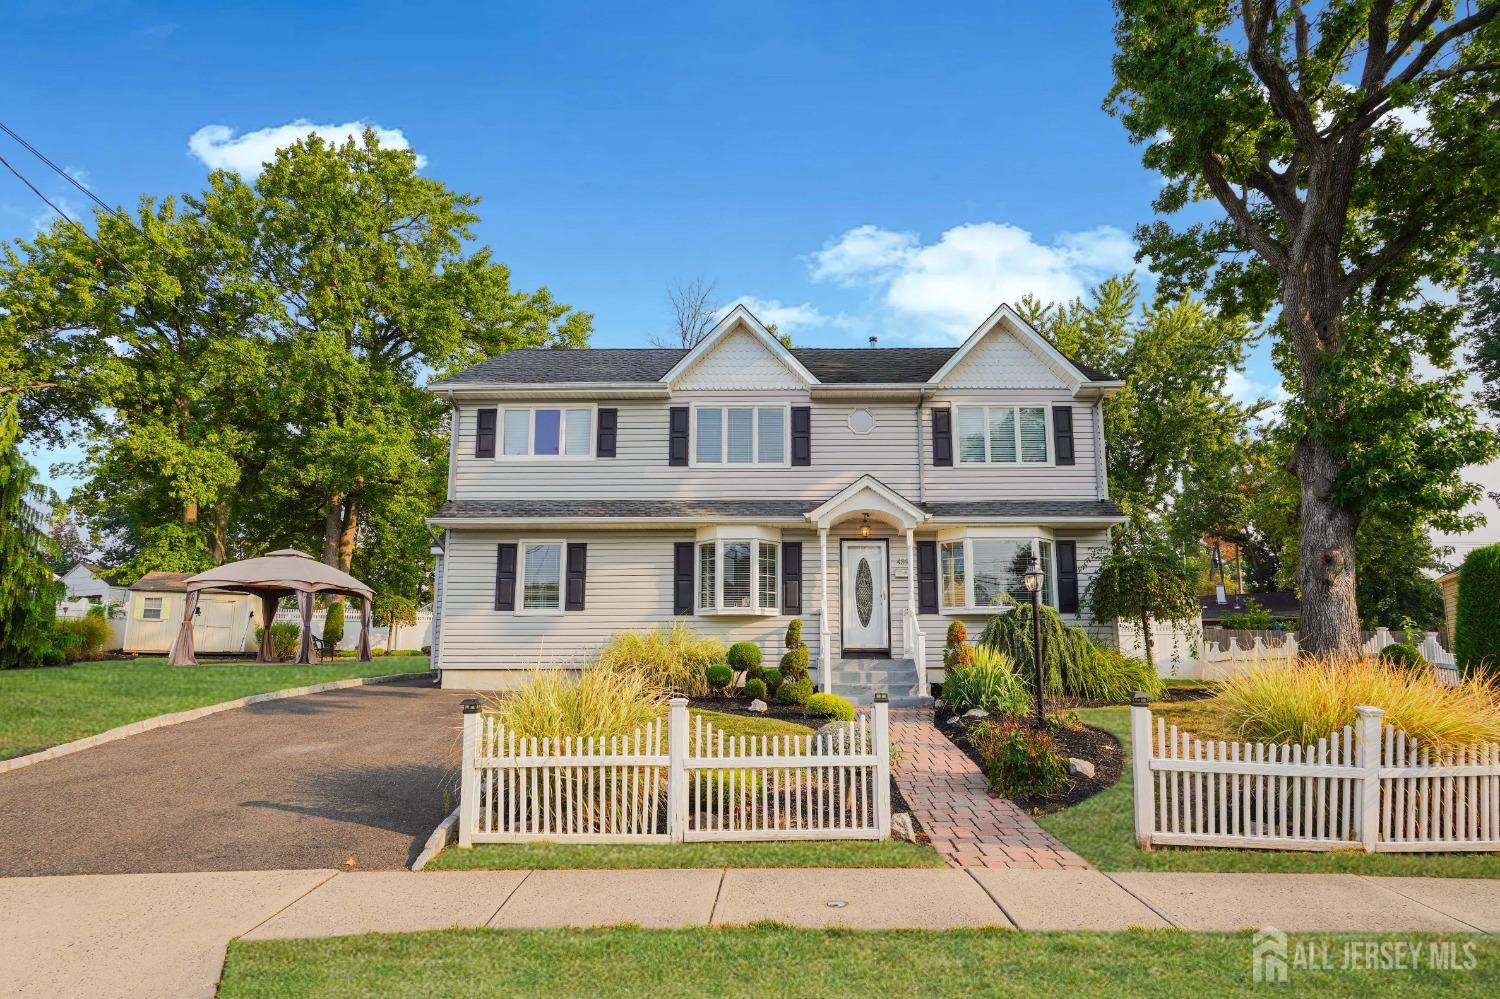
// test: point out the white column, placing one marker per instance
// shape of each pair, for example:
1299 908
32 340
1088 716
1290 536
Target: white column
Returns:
911 571
1141 751
1367 759
468 789
825 641
677 779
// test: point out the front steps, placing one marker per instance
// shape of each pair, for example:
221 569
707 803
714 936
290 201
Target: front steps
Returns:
859 680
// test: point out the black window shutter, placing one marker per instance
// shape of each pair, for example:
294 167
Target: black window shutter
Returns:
942 436
682 578
677 431
505 578
1062 434
578 571
801 435
484 437
927 576
791 577
1067 577
609 422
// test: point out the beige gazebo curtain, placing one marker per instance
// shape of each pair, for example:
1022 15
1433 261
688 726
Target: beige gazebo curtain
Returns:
271 577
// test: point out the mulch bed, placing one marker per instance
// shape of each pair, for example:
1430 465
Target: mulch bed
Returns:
1080 741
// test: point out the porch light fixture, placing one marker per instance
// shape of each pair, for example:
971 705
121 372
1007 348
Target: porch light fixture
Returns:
1034 583
864 527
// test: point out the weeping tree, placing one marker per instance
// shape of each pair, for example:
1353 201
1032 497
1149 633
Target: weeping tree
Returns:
1072 663
1143 579
28 593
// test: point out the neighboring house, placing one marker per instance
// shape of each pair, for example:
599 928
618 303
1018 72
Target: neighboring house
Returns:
1284 607
878 494
1448 583
225 621
87 582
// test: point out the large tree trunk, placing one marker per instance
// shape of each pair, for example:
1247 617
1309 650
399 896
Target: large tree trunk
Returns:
347 534
333 524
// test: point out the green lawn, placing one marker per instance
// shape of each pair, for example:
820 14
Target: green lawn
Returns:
769 959
563 856
45 707
1102 830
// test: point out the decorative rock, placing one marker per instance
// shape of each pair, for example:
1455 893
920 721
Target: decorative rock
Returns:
939 703
955 720
758 705
976 713
902 828
1080 768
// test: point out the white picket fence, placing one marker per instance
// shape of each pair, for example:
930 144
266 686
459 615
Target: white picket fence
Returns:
1224 652
1367 786
684 783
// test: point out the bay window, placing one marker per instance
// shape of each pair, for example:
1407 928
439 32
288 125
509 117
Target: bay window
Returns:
979 569
740 435
1002 435
562 432
738 571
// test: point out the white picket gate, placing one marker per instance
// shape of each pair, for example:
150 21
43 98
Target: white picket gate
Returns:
1368 787
682 784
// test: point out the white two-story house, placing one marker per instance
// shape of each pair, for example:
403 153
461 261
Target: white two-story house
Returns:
876 493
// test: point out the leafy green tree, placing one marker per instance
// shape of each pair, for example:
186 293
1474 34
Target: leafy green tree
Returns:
1142 579
1481 301
1174 419
1476 642
1351 149
28 593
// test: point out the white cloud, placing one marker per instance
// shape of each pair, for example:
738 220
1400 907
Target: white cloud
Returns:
220 149
786 318
942 290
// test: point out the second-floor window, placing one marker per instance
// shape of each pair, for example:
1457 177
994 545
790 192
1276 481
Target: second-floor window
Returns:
563 432
740 435
1003 435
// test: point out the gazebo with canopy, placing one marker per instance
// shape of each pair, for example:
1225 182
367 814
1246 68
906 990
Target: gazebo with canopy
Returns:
271 577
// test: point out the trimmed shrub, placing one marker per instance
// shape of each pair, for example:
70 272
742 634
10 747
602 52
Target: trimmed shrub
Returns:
957 634
744 657
1020 761
285 638
794 664
830 706
1404 655
333 624
1476 642
798 691
719 677
755 689
596 702
960 657
672 658
90 631
773 680
1303 700
793 637
992 683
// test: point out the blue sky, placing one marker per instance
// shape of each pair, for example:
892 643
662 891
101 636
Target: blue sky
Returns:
851 169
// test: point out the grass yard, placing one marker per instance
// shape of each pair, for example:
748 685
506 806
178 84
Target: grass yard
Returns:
1102 830
614 856
52 705
769 959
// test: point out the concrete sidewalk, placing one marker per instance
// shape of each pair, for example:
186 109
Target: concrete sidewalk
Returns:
164 934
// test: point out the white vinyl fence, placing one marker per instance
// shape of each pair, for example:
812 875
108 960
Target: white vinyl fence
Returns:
1367 787
681 782
1224 652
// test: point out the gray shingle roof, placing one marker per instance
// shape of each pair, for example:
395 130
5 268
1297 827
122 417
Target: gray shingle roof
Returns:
666 509
830 365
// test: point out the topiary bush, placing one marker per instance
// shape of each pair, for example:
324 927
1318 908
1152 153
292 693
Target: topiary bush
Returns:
798 691
1404 655
755 689
795 663
1020 761
793 637
333 623
957 634
719 677
744 657
773 680
1476 640
830 706
959 657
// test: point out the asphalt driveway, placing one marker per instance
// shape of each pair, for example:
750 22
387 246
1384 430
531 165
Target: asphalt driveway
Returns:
307 782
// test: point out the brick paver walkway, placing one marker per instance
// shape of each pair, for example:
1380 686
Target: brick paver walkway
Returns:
947 793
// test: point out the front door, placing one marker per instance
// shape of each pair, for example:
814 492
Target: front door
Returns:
866 613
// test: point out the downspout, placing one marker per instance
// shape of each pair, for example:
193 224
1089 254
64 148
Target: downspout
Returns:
921 395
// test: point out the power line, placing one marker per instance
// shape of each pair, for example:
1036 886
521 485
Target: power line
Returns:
71 221
83 188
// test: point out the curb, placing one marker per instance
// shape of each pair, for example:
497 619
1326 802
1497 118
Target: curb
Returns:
437 842
178 717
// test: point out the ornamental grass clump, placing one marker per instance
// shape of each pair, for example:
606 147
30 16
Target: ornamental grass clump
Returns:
992 683
597 702
674 658
1300 701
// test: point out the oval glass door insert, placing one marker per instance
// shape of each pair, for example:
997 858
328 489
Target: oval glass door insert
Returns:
864 592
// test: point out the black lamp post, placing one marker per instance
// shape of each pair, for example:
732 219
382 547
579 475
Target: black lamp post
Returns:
1034 582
